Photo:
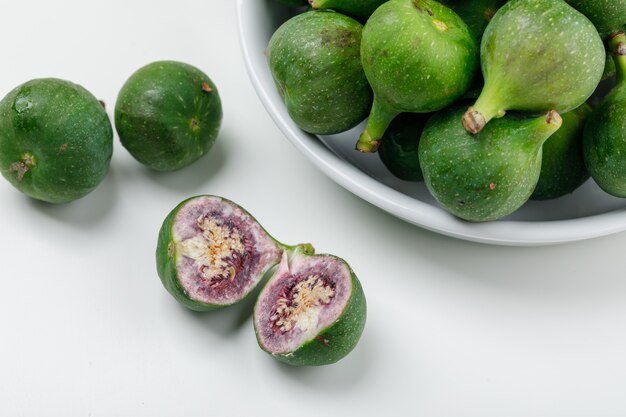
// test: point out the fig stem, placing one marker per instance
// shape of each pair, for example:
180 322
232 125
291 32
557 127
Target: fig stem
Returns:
617 45
485 109
303 248
377 123
547 125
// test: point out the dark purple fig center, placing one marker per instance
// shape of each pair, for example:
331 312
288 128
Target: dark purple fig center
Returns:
222 252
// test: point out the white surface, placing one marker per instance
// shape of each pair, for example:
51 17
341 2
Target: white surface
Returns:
454 328
588 212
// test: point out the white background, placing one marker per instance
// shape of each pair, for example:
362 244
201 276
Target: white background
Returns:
454 328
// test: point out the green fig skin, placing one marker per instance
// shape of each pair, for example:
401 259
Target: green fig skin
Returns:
332 343
358 9
536 55
563 167
608 16
476 14
56 140
419 56
486 176
168 254
315 61
168 115
605 132
399 149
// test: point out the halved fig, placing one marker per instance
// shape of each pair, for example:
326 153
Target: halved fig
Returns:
311 311
211 252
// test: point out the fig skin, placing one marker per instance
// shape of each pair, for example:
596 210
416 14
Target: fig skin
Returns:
56 140
563 167
608 16
605 133
168 115
358 9
419 56
530 57
167 255
399 148
476 13
489 175
315 61
335 341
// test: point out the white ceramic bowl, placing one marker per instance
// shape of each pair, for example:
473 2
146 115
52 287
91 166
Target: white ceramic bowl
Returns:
587 213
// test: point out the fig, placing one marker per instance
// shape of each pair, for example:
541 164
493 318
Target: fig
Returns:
400 144
476 14
168 115
211 253
311 311
315 61
358 9
608 16
604 144
419 56
488 175
562 165
536 55
56 140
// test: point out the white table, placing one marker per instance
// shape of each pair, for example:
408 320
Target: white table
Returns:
454 328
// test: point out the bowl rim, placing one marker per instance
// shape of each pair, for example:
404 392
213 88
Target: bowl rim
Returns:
414 211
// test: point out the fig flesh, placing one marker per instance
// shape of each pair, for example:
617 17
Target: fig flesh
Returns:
419 56
536 55
211 253
604 143
562 165
315 61
485 176
311 311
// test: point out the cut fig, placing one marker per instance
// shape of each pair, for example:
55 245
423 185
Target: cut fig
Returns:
311 311
211 253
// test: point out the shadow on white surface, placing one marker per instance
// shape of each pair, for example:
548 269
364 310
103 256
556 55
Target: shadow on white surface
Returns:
86 212
191 179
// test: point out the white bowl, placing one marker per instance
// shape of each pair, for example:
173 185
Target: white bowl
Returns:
589 212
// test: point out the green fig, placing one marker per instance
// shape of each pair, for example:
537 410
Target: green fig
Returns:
311 312
562 166
536 55
419 56
476 13
359 9
604 143
399 148
485 176
56 140
315 61
211 253
607 15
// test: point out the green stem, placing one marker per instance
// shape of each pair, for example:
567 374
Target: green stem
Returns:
378 122
546 126
617 45
303 248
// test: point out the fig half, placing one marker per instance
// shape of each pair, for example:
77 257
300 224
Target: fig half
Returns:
311 311
211 253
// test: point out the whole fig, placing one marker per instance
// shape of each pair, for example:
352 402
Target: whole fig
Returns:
536 55
419 56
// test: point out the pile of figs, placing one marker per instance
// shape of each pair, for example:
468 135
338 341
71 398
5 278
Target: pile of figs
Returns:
486 101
